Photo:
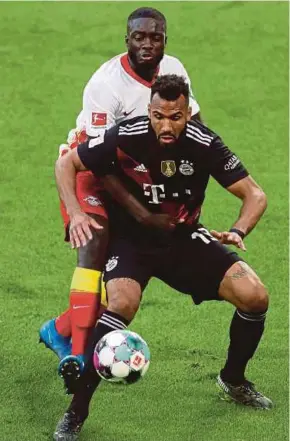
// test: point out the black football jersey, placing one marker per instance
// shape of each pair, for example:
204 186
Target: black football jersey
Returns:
166 179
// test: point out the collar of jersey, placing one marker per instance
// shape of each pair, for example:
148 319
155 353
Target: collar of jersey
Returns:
128 69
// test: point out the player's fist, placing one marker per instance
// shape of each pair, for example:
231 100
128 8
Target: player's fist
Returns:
229 238
80 229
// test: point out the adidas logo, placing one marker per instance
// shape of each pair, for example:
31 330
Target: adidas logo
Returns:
141 168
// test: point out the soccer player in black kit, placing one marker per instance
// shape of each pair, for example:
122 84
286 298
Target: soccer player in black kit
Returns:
165 161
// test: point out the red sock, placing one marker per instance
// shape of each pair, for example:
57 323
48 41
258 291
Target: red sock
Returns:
84 305
84 310
63 324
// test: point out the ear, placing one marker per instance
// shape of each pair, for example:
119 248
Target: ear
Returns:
149 110
189 111
126 40
165 41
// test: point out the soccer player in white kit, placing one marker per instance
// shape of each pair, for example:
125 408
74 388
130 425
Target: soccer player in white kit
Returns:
118 90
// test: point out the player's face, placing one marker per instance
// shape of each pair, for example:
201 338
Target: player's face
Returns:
168 118
146 41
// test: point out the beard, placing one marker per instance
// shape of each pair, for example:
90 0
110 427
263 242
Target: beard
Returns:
146 65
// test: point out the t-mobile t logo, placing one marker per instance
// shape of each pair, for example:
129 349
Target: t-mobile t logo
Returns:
155 191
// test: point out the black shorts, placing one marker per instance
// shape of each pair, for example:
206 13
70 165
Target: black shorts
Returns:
193 264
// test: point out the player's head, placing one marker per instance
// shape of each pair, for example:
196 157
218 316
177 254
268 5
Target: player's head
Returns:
169 108
146 37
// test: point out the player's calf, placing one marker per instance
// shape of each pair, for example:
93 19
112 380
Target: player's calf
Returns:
84 307
124 296
85 298
243 288
86 286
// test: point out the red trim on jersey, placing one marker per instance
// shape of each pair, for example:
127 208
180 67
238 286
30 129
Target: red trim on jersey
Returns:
187 218
180 212
129 165
127 67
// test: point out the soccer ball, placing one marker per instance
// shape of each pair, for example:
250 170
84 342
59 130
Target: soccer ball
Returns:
121 357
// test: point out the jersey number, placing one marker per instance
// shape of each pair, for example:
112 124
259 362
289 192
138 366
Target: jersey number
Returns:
204 235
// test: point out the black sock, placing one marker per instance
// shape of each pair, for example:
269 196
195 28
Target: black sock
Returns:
82 397
245 334
109 321
89 381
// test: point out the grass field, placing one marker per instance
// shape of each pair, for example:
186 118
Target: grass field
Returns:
237 56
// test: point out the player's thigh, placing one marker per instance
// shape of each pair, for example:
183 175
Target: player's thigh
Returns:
89 193
90 197
127 268
196 265
243 288
126 261
93 254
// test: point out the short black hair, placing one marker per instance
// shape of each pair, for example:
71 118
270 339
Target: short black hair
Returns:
146 13
170 87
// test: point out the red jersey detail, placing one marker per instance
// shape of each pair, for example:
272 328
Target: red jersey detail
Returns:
186 217
180 212
129 166
79 137
127 67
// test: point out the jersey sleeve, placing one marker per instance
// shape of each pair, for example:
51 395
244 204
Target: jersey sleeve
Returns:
225 167
192 101
98 154
100 106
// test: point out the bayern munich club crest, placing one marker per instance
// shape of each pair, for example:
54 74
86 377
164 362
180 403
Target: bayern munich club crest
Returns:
186 168
112 263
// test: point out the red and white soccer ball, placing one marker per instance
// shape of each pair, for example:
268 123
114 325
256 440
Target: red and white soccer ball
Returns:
121 356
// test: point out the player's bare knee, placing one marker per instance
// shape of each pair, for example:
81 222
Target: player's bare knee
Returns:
257 299
123 297
242 287
123 305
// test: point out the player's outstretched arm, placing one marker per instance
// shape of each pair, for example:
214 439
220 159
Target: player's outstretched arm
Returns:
254 203
80 223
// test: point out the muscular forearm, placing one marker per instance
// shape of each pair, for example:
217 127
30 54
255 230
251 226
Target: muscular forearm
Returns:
116 189
65 173
252 210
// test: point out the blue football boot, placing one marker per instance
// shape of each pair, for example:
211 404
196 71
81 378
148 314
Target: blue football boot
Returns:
48 335
70 369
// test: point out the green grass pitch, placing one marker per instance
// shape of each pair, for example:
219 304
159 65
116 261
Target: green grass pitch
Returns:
237 56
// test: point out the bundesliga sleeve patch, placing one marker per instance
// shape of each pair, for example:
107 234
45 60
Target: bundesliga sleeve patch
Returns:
99 119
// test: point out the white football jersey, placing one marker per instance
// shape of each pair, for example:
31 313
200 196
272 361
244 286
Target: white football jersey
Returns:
115 93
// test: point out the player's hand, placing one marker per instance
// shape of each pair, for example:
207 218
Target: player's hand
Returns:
229 238
80 229
162 221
